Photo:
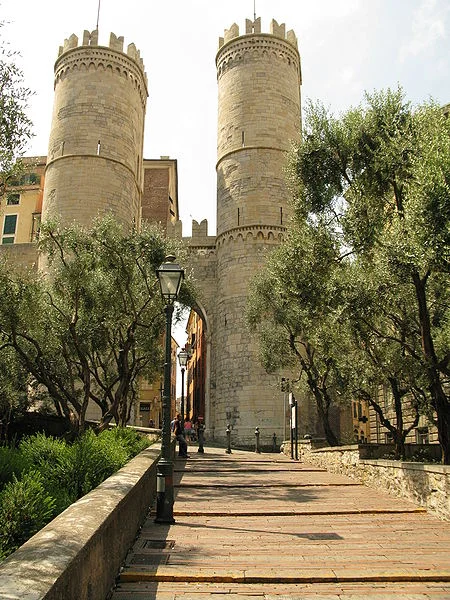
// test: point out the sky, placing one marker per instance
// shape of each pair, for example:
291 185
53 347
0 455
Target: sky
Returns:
347 47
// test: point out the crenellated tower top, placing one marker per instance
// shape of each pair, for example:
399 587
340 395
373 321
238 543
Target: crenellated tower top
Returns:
90 39
254 27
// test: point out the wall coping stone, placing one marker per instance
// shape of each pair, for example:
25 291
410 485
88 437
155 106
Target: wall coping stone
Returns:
353 447
411 466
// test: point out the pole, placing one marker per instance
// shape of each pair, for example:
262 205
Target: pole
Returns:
296 429
228 450
201 438
164 475
182 399
98 14
291 422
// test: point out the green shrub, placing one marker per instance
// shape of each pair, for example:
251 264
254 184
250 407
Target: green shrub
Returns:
12 462
60 474
25 507
128 438
43 452
91 459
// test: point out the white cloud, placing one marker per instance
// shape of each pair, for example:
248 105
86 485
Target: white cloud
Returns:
428 26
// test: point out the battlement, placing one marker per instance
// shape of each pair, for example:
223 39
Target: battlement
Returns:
254 27
90 38
199 237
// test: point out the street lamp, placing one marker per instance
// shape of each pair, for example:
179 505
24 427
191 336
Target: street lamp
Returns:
170 276
183 357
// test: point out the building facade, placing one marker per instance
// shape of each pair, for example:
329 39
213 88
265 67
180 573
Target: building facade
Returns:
196 368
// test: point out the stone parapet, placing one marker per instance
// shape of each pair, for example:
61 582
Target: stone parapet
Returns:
20 254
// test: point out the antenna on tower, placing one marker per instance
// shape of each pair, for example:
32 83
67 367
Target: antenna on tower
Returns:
254 10
98 14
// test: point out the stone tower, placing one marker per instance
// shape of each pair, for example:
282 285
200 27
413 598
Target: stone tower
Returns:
96 142
259 78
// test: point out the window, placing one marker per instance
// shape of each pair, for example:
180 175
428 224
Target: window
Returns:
9 229
12 199
422 435
26 179
387 397
35 225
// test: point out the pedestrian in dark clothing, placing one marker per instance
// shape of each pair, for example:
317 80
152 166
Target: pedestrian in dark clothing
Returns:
179 434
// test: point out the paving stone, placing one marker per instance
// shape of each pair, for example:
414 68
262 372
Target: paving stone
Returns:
268 527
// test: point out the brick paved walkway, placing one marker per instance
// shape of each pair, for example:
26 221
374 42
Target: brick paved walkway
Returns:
262 526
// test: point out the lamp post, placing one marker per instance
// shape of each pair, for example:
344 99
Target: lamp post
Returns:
170 276
182 359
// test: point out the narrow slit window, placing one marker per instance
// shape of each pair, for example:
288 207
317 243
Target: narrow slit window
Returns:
99 147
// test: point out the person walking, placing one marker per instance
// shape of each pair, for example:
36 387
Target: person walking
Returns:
188 430
179 434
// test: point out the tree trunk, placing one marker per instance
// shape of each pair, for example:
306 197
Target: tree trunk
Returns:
323 405
440 399
442 407
398 433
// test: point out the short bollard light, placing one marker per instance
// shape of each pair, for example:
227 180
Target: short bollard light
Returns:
228 450
274 442
257 450
201 438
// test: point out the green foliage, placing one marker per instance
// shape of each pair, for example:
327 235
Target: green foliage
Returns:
14 399
91 330
91 460
12 463
45 475
42 452
378 177
129 439
71 471
359 292
291 304
25 507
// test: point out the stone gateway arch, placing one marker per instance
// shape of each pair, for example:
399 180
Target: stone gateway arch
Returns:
95 165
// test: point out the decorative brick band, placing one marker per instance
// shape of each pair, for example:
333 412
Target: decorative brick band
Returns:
99 57
256 232
235 51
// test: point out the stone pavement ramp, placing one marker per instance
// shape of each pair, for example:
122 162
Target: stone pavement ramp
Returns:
263 526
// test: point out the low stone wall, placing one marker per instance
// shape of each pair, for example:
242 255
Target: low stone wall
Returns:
427 485
78 555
